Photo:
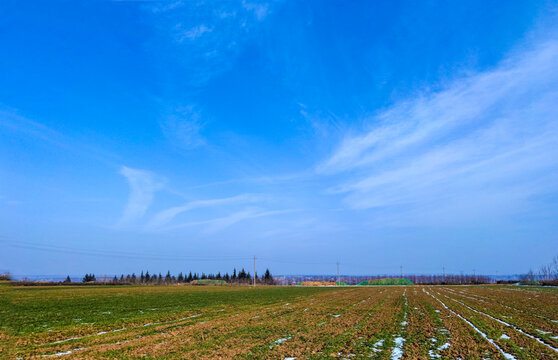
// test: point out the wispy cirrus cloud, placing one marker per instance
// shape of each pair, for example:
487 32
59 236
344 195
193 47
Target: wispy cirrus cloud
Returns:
206 36
183 127
12 122
143 184
218 224
485 140
166 216
195 32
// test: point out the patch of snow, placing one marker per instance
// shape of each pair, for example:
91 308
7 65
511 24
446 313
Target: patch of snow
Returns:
505 354
69 339
397 351
404 323
336 315
279 342
504 336
544 332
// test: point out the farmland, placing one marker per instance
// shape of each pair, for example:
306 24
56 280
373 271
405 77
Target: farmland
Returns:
379 322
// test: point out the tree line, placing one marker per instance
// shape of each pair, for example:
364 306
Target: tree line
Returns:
240 277
547 274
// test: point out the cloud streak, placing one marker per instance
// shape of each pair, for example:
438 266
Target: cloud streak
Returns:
143 185
490 136
218 224
164 217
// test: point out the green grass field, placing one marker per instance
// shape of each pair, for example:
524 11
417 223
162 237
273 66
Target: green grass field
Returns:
226 322
31 310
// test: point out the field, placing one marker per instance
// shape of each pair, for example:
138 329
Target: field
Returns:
380 322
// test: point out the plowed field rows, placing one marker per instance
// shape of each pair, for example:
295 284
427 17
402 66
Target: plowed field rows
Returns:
410 322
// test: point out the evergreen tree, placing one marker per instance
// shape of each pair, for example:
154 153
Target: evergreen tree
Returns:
180 278
122 278
133 279
218 276
168 277
142 277
190 277
242 274
68 280
89 278
267 277
147 276
115 279
233 277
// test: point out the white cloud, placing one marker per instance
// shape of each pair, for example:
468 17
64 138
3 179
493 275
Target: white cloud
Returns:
143 185
183 128
491 135
195 32
207 36
215 225
260 10
164 217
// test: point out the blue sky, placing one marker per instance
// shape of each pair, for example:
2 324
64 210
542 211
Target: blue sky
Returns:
184 135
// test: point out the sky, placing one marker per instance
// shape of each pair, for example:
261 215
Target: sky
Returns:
195 135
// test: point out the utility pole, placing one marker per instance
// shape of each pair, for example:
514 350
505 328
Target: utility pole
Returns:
338 277
254 270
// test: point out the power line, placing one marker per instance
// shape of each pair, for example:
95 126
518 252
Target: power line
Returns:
116 254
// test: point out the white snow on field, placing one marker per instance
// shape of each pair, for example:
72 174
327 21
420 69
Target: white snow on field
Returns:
397 351
434 353
504 336
58 354
69 339
63 353
544 332
289 358
337 315
505 354
279 342
507 324
378 345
